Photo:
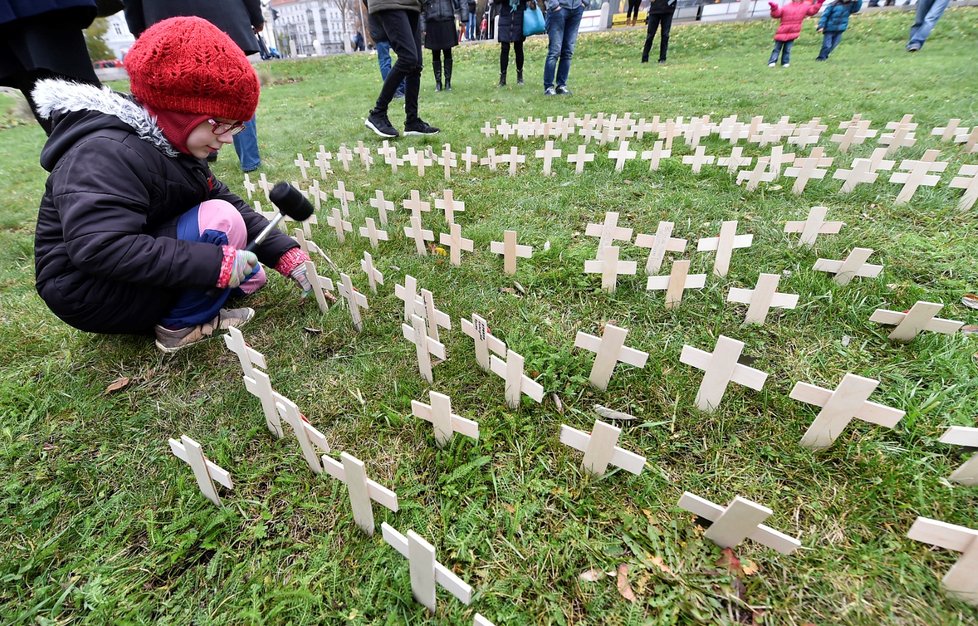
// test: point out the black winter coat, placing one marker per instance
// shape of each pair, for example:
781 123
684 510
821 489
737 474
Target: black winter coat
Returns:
237 18
105 250
510 22
444 10
659 7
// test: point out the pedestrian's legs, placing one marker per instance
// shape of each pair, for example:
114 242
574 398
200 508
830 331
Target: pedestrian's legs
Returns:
503 62
925 23
384 58
246 146
518 49
776 52
653 21
786 53
823 54
666 21
405 39
836 40
448 69
571 24
436 66
555 36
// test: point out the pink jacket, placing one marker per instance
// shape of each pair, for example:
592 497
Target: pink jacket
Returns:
792 15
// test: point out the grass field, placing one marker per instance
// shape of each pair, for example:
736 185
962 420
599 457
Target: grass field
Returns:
101 524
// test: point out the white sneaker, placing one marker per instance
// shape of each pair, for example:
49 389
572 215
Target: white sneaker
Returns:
771 64
786 65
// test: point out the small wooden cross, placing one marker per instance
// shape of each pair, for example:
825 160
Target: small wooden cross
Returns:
416 205
408 294
655 155
759 174
307 246
504 130
382 206
668 132
206 472
962 579
755 129
724 245
265 186
419 234
249 186
247 356
967 179
448 160
339 224
762 298
621 155
302 164
852 266
921 316
320 286
902 135
967 474
488 130
814 226
364 153
658 245
344 196
720 367
610 349
678 280
354 300
735 161
857 131
947 133
698 128
426 572
322 161
344 156
309 438
608 232
970 140
600 448
350 471
514 158
579 158
374 275
510 251
424 346
861 172
877 162
439 414
739 520
419 160
608 265
808 133
456 244
469 158
807 168
449 205
316 194
548 154
778 159
424 306
478 330
391 158
490 159
371 232
917 174
849 401
480 620
259 385
517 383
699 159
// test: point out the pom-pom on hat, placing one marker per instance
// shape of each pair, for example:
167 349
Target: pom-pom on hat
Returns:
188 65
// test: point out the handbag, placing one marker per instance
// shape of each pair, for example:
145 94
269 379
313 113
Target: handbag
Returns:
533 22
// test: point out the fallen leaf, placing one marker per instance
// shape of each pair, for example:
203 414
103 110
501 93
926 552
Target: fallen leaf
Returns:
658 562
749 568
730 561
970 300
117 385
592 575
623 587
846 340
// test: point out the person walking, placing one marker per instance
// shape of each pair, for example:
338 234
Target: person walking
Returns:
401 20
472 24
631 17
441 35
660 16
41 40
791 15
510 32
242 20
834 22
928 13
563 21
383 47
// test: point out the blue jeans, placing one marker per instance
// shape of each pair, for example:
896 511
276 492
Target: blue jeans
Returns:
928 12
784 49
246 145
384 59
470 27
829 42
562 28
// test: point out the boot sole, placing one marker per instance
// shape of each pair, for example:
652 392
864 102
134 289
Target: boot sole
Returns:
418 132
379 132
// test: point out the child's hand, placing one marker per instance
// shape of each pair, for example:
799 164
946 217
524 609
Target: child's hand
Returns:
773 5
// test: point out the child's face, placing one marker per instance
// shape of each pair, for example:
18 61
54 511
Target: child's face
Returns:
202 140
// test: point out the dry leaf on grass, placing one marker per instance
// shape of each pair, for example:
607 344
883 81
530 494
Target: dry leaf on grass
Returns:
591 575
117 385
623 587
729 561
658 562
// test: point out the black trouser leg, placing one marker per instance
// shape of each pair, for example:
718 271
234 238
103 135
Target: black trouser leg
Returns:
503 62
654 19
666 26
448 68
405 38
436 66
518 46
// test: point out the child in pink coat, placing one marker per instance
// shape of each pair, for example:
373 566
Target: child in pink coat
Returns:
791 16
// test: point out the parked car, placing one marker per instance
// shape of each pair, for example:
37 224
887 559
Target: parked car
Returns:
107 63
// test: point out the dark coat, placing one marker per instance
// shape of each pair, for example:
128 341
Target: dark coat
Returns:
81 12
510 22
237 18
660 7
835 19
105 251
444 10
44 37
374 27
376 6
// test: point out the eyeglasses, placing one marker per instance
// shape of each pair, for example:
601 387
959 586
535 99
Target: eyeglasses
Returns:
220 128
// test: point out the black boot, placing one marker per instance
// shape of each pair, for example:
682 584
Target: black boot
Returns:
519 77
502 79
448 72
438 80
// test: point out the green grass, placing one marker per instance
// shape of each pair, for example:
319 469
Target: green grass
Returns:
100 523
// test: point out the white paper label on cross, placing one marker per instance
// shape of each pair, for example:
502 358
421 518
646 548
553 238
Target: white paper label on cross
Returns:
678 280
350 471
456 243
382 206
517 383
320 285
302 164
345 197
655 155
510 251
548 154
967 474
371 232
860 173
853 265
921 316
579 158
425 570
374 276
446 423
917 174
814 226
740 520
247 356
724 245
354 300
967 179
608 232
962 579
419 234
610 349
478 330
600 448
449 205
849 401
762 297
340 225
609 267
206 472
425 346
310 439
720 368
259 385
658 245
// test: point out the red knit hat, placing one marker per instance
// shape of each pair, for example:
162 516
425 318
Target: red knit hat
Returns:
188 65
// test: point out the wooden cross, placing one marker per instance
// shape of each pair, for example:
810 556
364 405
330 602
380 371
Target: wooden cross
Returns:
921 316
302 164
621 155
699 159
697 129
322 161
265 186
525 128
814 226
469 158
424 345
419 234
510 251
877 162
426 572
548 154
371 232
514 158
449 205
600 448
408 294
755 129
391 158
724 245
344 156
676 283
668 132
658 245
853 265
807 168
857 131
456 244
344 196
967 474
304 244
247 356
419 160
249 186
808 133
490 159
962 579
374 275
735 161
608 265
739 520
757 175
967 179
762 298
778 158
849 401
970 140
259 385
382 206
517 383
504 130
206 472
439 414
608 232
901 137
720 367
310 439
480 620
478 330
488 130
917 175
448 160
610 349
364 153
415 205
947 133
861 172
320 285
354 300
339 224
316 194
350 471
579 158
424 306
563 128
655 155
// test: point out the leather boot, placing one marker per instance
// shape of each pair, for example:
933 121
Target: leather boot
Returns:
502 79
519 77
448 75
438 79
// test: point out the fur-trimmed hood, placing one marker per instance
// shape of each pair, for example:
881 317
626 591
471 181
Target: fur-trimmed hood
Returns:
79 108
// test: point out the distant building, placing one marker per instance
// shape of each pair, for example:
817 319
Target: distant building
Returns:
316 27
117 37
